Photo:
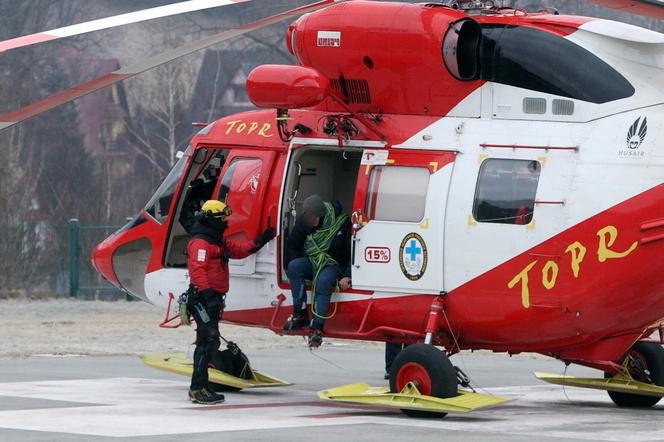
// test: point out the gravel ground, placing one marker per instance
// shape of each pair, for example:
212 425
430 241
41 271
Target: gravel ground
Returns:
71 327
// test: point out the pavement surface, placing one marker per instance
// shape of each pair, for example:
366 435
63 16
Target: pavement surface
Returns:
117 397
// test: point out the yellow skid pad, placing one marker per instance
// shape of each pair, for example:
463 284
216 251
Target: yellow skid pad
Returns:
179 364
619 383
410 398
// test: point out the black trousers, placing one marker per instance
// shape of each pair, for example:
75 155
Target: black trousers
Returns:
206 308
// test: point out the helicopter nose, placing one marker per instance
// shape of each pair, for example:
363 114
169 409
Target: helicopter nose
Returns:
123 257
102 261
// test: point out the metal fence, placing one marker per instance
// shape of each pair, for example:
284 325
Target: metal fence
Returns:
38 257
84 281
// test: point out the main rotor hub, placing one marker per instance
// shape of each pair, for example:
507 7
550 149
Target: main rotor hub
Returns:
475 6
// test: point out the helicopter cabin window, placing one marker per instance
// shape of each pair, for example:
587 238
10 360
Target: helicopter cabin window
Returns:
200 182
238 188
397 193
160 202
506 191
545 62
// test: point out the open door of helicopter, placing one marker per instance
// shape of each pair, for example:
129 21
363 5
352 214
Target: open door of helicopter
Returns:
233 176
317 170
400 206
243 182
200 180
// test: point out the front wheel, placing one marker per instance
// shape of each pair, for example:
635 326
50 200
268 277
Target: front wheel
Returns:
429 369
646 364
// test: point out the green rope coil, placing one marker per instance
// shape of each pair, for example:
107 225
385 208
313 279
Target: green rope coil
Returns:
316 247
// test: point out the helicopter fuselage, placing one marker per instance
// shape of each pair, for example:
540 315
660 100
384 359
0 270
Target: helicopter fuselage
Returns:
508 166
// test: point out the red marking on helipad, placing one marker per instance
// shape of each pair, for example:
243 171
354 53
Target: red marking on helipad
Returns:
276 405
347 414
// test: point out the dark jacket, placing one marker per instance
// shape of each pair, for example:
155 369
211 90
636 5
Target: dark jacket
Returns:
339 250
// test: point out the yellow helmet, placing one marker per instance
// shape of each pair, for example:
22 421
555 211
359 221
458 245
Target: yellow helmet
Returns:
216 208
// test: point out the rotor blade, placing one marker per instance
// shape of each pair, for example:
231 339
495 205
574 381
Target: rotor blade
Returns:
117 20
11 118
647 8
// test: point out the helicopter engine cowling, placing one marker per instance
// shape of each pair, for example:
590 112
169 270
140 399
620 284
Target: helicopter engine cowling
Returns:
286 87
390 58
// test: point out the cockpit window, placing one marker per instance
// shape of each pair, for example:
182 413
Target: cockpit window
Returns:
544 62
160 202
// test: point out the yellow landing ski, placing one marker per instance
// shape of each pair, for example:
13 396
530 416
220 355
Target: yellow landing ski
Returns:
179 364
620 383
410 398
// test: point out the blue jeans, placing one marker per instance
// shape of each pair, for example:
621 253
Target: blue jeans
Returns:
300 270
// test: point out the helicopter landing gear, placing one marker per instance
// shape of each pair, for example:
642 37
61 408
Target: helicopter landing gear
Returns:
423 383
639 384
429 370
644 363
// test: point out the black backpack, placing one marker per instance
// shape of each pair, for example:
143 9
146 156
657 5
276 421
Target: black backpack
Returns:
233 362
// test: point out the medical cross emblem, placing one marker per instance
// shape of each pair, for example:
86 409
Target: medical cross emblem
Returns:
413 250
413 256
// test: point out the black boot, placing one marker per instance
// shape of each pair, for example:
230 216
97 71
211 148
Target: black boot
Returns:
205 397
296 321
315 338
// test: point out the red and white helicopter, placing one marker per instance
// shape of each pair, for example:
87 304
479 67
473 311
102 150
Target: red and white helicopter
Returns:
503 169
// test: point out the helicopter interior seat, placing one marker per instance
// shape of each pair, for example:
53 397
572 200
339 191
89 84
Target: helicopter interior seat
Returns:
328 174
179 243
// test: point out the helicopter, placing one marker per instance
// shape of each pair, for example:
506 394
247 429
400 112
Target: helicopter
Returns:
502 169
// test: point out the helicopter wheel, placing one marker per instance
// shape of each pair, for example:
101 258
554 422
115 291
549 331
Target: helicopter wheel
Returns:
647 365
430 369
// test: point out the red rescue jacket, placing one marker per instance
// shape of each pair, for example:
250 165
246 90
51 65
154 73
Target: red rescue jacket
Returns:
208 262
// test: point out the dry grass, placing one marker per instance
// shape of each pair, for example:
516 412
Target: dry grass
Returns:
65 326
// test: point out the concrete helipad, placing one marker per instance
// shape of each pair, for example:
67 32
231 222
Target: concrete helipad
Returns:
84 398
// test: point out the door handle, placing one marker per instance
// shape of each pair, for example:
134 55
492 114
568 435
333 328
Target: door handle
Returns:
356 225
357 221
353 247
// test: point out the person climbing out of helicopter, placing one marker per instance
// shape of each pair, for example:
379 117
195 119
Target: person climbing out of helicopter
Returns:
208 253
318 250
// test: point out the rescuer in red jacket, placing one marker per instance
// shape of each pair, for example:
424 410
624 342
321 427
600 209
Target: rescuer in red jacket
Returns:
208 253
